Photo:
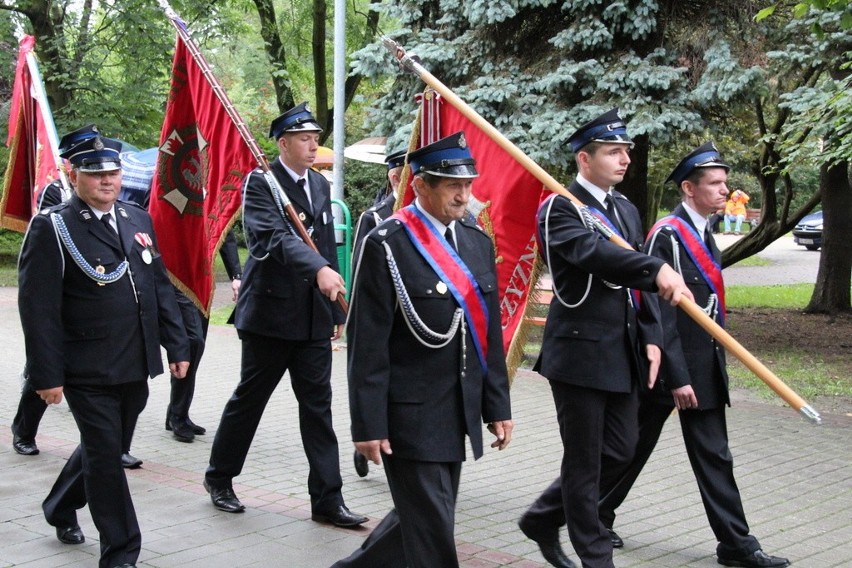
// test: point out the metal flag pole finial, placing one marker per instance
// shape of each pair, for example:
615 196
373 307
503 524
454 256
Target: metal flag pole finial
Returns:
412 63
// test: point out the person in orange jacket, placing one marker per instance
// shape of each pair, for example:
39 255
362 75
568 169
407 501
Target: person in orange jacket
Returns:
735 210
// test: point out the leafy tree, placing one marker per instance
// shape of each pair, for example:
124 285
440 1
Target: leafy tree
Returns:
537 69
820 132
682 72
285 58
110 62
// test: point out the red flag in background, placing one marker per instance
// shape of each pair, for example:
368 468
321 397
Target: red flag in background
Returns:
195 194
505 199
31 161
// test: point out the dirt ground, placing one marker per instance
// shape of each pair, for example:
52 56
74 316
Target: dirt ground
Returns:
826 339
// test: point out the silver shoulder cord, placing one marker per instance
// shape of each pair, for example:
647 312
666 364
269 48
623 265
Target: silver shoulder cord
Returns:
274 189
63 236
583 212
712 307
415 324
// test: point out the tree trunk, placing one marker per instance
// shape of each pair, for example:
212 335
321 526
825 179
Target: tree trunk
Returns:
635 184
831 293
48 30
276 54
320 76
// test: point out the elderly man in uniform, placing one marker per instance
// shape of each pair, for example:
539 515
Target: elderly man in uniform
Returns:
95 304
426 363
599 342
693 377
286 320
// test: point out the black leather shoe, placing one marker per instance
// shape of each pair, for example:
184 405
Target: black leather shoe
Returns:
24 447
615 539
757 559
547 539
70 535
196 429
224 499
130 462
126 566
340 517
362 466
181 431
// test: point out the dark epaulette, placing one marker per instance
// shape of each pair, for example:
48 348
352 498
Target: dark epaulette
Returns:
619 195
385 229
131 203
53 208
469 222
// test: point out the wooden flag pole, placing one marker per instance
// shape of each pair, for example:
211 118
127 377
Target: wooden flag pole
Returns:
411 63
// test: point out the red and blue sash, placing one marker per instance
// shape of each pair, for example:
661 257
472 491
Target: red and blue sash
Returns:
635 295
701 256
452 270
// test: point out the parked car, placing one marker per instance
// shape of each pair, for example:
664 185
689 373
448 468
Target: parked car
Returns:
808 232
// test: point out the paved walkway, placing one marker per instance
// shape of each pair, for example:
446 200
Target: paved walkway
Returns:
795 478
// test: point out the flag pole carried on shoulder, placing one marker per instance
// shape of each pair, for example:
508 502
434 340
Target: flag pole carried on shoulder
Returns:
244 132
412 63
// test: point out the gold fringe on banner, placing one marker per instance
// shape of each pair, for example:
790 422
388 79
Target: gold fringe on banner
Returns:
515 354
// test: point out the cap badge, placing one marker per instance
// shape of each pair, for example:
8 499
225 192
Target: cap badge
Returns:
462 141
98 144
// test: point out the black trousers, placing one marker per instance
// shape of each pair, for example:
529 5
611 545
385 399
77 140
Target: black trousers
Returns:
264 362
183 390
705 435
419 531
599 434
94 475
31 408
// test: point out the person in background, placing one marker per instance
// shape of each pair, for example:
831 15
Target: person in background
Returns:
381 210
693 376
286 318
735 210
95 304
31 407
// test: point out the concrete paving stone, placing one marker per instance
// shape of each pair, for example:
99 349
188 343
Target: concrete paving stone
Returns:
794 477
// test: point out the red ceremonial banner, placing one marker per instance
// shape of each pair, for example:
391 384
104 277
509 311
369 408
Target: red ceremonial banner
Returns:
31 162
504 200
195 194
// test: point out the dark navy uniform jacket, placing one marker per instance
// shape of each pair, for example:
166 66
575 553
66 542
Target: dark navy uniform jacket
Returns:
80 332
599 343
690 355
400 389
279 296
368 221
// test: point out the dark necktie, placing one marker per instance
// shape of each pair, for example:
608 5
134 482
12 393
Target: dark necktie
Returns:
448 234
612 213
301 183
105 219
711 244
